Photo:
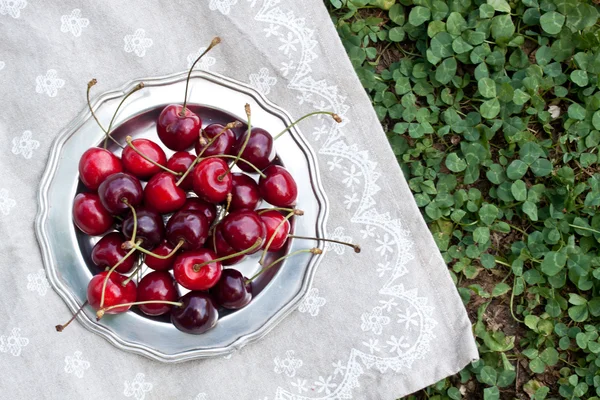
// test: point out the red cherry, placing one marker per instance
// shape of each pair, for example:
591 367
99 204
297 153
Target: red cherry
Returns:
114 294
196 315
278 187
224 144
108 252
195 204
177 130
189 226
203 279
241 229
222 248
162 194
232 291
257 151
137 165
90 215
180 162
119 187
157 285
159 264
207 184
96 164
150 228
245 194
272 219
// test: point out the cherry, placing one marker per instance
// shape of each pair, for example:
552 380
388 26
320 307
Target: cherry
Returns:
188 275
108 252
212 180
115 293
180 162
278 187
191 227
196 315
157 285
137 165
222 248
119 190
150 228
241 229
159 264
178 128
89 214
195 204
245 194
162 194
258 149
232 291
224 144
96 165
277 226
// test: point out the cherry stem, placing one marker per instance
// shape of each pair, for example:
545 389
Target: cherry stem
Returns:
314 250
149 253
106 134
110 271
228 200
283 221
135 221
199 157
333 115
100 313
135 271
356 247
254 167
145 157
256 245
294 210
237 158
135 89
212 44
60 328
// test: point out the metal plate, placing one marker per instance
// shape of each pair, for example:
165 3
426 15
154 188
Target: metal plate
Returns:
66 252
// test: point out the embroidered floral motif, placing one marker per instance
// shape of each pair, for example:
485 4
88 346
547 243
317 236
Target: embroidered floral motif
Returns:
287 365
76 365
138 43
374 321
201 396
38 283
223 6
300 385
338 234
325 385
13 343
49 83
6 203
73 23
138 387
12 7
205 62
312 303
24 145
262 81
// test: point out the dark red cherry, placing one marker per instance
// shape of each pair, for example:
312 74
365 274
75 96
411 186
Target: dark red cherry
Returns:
220 246
188 275
97 164
89 214
118 187
224 144
207 184
150 228
136 165
241 229
157 285
257 151
178 131
162 194
159 264
231 291
108 252
189 226
197 315
195 204
180 162
272 219
278 187
245 194
114 294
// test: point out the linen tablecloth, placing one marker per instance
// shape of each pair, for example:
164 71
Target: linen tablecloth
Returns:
378 325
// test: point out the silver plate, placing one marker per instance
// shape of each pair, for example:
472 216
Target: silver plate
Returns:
66 251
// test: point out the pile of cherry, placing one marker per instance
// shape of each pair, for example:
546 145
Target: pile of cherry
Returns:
193 216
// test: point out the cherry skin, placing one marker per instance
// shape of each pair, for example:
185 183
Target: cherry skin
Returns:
272 219
89 214
118 187
278 187
257 151
162 194
108 252
180 162
159 264
231 291
178 131
97 164
222 248
224 144
196 315
150 228
114 294
203 279
241 229
207 184
189 226
136 165
157 285
245 194
195 204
